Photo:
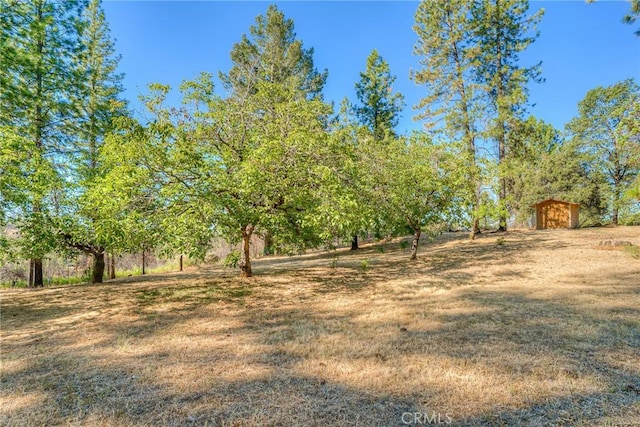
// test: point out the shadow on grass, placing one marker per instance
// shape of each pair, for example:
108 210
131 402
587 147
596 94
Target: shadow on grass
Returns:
238 352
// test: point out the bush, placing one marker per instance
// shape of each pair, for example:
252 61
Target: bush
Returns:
232 260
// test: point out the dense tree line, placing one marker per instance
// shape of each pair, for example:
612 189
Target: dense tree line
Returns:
271 158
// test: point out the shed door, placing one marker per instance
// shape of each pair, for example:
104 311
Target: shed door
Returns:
555 215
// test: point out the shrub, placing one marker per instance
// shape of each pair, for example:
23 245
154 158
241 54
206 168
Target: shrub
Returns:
232 260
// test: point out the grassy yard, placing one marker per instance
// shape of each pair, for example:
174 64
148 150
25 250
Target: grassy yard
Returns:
527 328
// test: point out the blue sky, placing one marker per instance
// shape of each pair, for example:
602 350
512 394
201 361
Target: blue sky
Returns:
581 46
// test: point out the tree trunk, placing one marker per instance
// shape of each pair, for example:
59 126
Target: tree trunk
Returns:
35 272
502 194
112 272
414 244
36 278
501 92
245 256
98 267
180 262
618 196
475 226
144 262
475 221
354 242
268 244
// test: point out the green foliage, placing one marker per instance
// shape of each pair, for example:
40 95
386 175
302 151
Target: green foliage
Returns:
231 260
379 108
272 54
417 184
364 266
632 250
60 93
606 130
230 166
541 165
474 85
27 180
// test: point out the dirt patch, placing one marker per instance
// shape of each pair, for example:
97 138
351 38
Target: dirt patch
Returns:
534 328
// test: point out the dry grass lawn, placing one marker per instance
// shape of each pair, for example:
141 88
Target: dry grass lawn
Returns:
540 328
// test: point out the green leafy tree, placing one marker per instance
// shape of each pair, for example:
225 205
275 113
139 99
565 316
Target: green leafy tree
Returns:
353 204
127 197
234 167
629 129
272 54
38 40
453 105
606 128
417 185
502 29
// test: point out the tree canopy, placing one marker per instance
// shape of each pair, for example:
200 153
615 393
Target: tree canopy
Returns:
267 157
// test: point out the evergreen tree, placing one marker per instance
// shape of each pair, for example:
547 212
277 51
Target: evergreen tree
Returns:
98 88
501 30
38 41
379 108
453 104
271 53
542 165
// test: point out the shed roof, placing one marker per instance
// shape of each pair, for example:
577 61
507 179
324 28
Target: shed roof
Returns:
554 200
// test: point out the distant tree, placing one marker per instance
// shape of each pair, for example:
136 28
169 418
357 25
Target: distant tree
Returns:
606 128
272 54
502 30
379 107
542 165
629 129
354 200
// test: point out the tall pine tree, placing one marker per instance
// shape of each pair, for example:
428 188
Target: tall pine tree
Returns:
379 107
502 30
453 104
97 95
39 38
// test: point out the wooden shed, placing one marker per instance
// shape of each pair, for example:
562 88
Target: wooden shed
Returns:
553 213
